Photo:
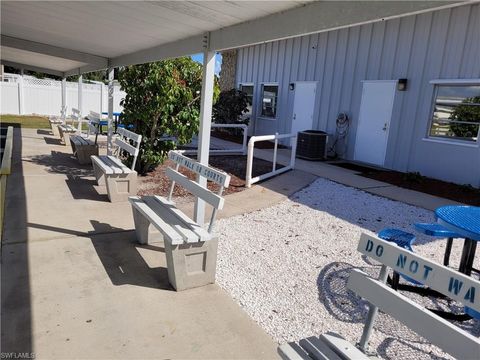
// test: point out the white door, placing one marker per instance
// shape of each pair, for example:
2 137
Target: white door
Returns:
303 106
374 121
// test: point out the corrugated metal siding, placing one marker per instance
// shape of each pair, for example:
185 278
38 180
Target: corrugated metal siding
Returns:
437 45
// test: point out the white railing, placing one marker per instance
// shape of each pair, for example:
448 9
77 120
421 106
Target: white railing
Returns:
251 145
243 149
237 150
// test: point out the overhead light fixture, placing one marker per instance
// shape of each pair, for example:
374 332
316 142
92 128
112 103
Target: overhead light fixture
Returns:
402 85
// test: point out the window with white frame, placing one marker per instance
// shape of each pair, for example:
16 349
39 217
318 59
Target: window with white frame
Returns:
269 101
456 112
248 89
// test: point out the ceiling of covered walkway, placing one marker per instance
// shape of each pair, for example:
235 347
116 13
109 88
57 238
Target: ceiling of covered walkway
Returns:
67 37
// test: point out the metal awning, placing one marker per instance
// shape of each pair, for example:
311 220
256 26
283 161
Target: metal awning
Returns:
65 38
74 37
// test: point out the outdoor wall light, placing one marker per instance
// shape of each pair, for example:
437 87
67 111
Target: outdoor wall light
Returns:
402 85
291 86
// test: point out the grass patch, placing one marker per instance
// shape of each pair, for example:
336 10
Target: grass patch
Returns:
30 122
25 121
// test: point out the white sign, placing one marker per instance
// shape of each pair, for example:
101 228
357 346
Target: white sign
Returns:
205 171
449 282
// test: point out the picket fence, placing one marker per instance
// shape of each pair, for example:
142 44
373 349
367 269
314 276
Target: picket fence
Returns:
28 95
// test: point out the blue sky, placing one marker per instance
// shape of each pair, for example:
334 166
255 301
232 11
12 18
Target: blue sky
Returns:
218 61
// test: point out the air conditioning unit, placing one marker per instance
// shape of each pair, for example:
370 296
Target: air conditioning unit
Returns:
312 145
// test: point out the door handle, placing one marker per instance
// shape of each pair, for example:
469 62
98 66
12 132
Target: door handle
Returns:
384 127
294 116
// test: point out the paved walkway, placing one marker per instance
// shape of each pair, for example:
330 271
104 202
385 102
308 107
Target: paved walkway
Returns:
76 285
351 178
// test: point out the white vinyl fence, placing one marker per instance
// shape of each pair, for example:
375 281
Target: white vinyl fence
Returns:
28 95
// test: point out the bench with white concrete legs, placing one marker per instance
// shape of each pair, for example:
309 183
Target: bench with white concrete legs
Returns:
55 121
84 148
191 250
120 180
440 332
66 130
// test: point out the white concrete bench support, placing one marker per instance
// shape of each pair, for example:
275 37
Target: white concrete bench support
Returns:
120 181
191 251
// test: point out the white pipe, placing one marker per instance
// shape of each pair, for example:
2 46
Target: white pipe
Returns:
294 152
248 176
251 145
275 148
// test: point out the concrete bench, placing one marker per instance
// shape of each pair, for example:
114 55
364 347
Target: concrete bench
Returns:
121 181
83 149
55 121
66 130
191 250
446 335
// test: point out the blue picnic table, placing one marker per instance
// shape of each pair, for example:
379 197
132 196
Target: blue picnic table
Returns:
116 119
465 221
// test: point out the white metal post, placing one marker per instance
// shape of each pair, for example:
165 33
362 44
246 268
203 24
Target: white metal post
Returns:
101 99
206 104
21 103
64 99
110 110
80 83
371 316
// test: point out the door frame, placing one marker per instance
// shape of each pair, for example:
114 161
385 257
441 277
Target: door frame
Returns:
314 100
387 135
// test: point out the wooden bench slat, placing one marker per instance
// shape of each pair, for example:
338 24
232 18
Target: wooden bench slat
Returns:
447 281
165 228
132 150
439 331
292 351
116 169
318 350
341 346
119 163
203 234
106 169
129 134
176 223
211 174
196 189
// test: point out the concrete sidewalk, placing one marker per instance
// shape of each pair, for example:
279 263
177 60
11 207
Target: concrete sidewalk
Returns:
75 284
353 179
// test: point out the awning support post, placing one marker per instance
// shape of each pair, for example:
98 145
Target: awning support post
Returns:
64 98
206 103
110 110
80 83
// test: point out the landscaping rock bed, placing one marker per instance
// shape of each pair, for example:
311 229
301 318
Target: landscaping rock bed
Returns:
157 183
288 265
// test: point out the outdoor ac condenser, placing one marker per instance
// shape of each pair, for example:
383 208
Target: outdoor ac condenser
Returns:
312 145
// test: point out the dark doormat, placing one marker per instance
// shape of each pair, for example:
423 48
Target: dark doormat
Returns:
355 167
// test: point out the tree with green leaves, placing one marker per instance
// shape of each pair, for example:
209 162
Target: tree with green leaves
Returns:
230 107
468 111
162 98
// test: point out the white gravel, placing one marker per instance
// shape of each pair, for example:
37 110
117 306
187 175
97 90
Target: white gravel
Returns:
287 266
